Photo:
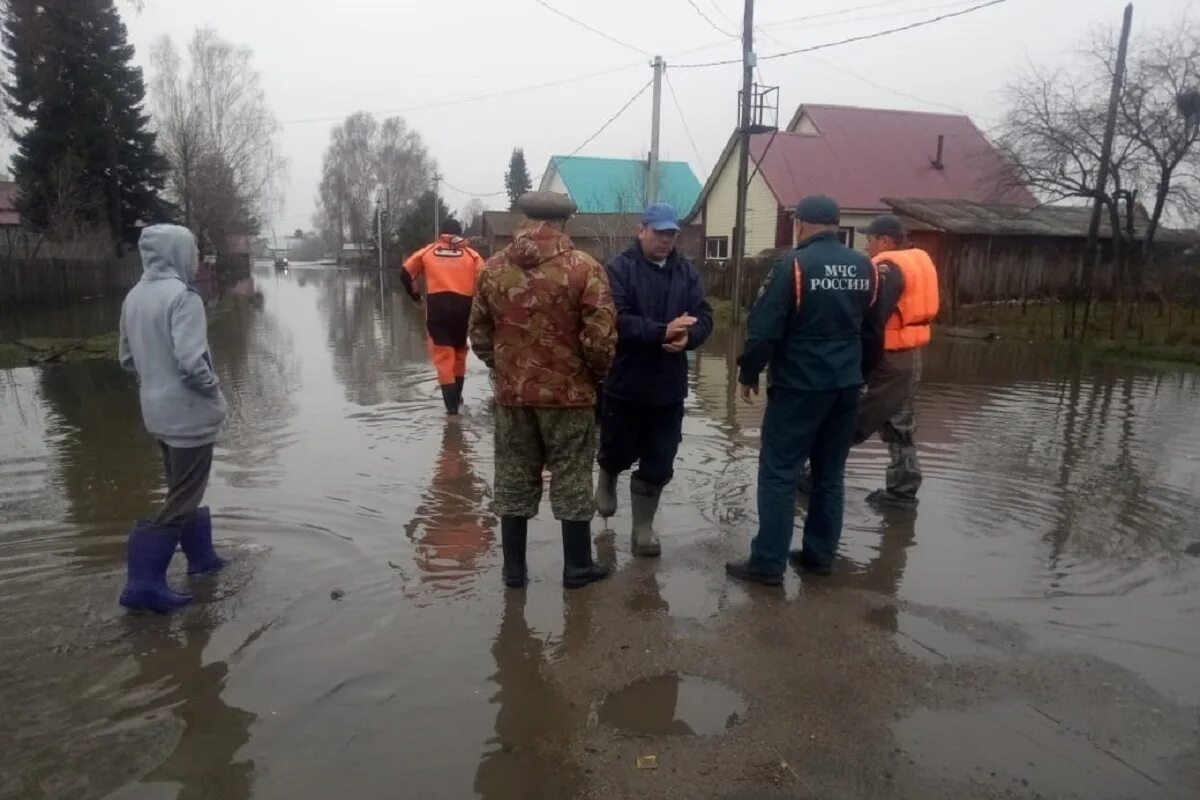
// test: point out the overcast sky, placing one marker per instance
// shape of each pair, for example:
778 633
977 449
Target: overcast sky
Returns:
324 59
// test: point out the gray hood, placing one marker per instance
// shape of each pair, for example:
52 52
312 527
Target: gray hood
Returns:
168 251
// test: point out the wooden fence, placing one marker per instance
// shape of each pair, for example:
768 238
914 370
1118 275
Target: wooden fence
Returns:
54 280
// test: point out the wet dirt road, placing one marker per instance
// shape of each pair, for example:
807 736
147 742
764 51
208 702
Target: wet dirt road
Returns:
1033 630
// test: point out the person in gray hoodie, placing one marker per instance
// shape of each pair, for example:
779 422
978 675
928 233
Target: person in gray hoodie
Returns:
164 342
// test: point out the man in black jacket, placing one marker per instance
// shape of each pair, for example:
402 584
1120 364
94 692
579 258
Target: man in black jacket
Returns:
661 313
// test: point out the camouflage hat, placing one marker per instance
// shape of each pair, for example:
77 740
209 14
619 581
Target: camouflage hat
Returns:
546 206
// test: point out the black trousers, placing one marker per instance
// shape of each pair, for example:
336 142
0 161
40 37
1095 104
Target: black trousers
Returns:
647 435
187 470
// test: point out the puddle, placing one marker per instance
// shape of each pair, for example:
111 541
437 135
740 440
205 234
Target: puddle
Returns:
924 639
1015 746
673 705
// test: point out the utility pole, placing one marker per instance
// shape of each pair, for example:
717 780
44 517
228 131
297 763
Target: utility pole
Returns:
739 222
437 202
379 230
1091 254
652 167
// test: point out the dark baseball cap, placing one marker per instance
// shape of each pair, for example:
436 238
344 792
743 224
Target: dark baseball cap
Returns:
660 217
888 225
818 209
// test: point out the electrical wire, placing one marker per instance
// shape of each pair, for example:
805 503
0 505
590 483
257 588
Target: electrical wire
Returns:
476 98
683 120
587 27
864 37
836 13
584 144
710 22
906 12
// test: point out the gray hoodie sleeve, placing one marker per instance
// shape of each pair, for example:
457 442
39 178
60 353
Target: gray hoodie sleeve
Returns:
189 332
124 355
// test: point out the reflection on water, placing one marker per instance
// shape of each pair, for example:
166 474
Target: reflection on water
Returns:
1060 497
452 526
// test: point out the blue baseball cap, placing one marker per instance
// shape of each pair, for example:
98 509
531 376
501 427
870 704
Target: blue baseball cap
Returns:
660 217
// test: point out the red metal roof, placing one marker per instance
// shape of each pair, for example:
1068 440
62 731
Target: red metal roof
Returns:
862 155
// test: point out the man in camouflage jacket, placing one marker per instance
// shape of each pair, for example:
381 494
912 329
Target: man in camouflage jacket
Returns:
544 322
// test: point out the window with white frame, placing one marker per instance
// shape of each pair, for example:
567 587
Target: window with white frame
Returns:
846 236
716 248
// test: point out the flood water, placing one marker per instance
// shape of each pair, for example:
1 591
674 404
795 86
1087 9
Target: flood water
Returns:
361 645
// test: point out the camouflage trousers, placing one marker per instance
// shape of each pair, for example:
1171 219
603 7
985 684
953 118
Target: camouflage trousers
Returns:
560 440
886 408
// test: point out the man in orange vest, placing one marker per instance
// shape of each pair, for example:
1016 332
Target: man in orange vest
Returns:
450 268
908 299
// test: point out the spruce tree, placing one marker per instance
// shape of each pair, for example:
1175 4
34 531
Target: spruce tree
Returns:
516 180
85 153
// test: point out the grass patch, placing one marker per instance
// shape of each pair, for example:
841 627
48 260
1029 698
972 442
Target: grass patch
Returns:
13 356
1149 333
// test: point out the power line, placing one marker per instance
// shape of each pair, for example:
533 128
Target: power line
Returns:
611 119
863 37
683 120
906 12
587 27
475 98
888 89
836 13
584 144
709 20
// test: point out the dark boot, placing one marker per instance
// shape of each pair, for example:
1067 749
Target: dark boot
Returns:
450 398
747 571
606 493
807 562
513 533
196 542
885 498
458 390
149 552
578 567
644 504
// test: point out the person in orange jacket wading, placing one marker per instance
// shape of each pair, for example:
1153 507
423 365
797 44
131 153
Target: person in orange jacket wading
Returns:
450 267
908 297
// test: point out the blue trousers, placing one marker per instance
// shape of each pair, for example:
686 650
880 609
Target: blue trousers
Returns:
819 427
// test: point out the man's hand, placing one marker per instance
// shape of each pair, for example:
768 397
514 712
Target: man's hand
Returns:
749 393
678 344
677 326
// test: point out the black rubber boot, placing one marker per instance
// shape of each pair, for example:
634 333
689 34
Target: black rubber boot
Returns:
513 534
450 398
578 567
458 390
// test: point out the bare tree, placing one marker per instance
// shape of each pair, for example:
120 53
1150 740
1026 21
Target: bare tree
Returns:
219 134
1160 111
363 157
471 211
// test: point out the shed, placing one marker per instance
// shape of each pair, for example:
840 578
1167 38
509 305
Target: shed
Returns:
1003 251
599 235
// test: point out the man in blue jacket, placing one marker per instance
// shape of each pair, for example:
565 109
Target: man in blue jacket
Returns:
815 324
661 313
164 342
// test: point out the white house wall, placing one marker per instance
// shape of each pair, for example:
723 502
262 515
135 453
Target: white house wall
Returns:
761 208
553 182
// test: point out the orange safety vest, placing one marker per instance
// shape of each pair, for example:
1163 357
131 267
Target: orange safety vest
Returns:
448 265
910 325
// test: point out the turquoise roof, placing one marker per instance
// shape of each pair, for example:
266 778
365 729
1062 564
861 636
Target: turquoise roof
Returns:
617 185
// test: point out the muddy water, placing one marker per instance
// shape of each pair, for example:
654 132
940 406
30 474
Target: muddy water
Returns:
360 645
